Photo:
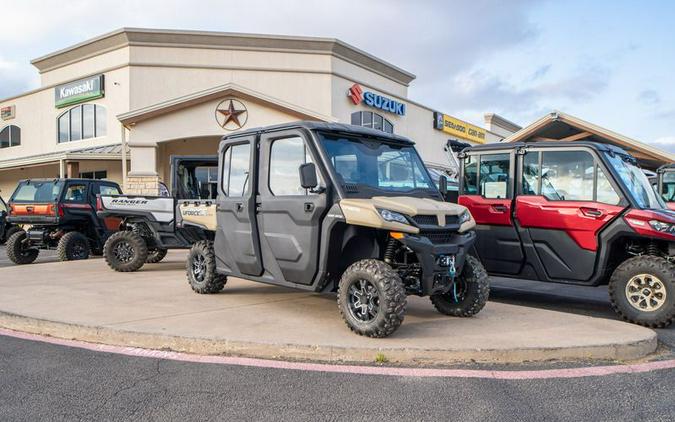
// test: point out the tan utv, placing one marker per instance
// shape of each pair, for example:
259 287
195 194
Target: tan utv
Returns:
329 207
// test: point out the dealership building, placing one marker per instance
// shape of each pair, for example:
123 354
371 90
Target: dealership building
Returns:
122 105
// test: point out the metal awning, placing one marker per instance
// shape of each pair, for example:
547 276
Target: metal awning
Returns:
103 152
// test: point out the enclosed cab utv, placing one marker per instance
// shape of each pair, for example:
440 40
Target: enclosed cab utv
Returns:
7 229
151 225
331 207
573 212
666 184
60 214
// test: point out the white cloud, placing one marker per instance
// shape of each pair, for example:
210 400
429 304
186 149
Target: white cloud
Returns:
666 142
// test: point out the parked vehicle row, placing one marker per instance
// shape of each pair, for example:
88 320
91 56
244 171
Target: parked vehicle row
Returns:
339 208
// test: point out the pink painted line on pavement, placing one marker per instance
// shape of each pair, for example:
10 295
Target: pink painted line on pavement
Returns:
591 371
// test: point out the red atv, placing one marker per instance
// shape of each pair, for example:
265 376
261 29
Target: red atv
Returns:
577 213
666 184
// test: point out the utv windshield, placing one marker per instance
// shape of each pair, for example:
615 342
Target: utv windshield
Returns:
367 167
668 186
32 191
636 182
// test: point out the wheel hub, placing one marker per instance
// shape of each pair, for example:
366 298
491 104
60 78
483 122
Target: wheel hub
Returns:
199 267
646 292
363 300
124 252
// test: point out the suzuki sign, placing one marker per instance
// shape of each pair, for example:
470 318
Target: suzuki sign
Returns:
358 96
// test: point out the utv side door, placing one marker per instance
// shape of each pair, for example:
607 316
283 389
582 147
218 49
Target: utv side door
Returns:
487 191
289 216
236 242
564 200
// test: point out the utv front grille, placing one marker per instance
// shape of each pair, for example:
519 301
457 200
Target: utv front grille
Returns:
438 237
432 220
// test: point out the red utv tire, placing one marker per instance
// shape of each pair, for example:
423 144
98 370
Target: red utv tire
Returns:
642 291
73 246
17 252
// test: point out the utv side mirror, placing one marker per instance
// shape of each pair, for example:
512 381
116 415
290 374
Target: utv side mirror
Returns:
443 185
308 178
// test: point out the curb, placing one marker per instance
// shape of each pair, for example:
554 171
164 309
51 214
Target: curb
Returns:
630 350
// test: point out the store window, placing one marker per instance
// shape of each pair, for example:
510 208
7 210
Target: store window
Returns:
372 120
83 121
286 157
236 162
10 136
98 175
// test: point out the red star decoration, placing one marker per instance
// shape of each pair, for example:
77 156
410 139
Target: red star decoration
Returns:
231 115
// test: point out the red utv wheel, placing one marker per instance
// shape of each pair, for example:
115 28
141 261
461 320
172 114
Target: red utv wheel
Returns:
642 291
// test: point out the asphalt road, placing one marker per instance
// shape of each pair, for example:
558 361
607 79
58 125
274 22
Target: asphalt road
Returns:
45 256
40 381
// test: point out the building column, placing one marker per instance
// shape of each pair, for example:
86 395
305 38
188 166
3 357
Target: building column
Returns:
143 179
72 169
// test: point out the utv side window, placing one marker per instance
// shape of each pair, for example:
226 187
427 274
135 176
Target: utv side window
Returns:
668 189
567 175
531 173
470 180
494 175
236 163
76 193
605 192
109 190
286 157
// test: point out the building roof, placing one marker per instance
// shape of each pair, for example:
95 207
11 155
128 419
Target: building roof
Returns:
226 40
558 126
104 152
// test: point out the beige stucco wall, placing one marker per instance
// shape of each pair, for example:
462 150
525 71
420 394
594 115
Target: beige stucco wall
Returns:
9 178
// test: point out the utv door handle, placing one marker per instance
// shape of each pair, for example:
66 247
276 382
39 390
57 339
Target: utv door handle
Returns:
592 212
499 208
309 207
240 207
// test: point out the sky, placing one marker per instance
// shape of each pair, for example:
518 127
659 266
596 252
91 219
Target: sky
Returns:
608 62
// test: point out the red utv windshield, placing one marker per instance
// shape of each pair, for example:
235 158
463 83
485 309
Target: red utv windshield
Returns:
32 191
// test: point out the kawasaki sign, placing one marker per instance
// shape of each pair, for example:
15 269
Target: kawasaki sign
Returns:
358 96
79 91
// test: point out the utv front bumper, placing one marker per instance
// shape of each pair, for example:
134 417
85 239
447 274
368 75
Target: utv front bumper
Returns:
434 252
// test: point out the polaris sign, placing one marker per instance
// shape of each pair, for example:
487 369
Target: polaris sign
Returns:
78 91
358 96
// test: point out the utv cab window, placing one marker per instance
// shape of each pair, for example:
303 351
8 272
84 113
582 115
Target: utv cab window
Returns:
567 175
109 190
668 189
236 163
494 175
286 157
470 179
377 166
37 191
605 192
76 193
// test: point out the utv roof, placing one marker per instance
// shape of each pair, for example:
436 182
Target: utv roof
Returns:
337 128
552 144
666 167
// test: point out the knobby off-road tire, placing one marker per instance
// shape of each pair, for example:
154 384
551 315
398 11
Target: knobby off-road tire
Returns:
656 276
201 269
125 251
475 290
155 255
371 298
17 253
73 246
9 233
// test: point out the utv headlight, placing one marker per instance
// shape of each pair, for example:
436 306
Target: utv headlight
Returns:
464 217
660 226
393 216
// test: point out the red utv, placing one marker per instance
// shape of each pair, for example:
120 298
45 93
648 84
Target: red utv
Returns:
577 213
666 184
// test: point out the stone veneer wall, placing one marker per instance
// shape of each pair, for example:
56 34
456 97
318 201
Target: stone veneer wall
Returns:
142 185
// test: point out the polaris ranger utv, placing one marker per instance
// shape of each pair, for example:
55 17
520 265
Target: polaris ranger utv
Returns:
60 215
151 225
573 212
331 207
666 184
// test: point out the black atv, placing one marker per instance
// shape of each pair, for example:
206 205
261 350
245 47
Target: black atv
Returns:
61 215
